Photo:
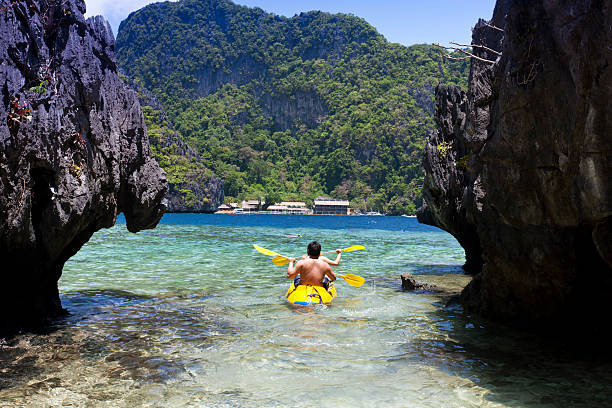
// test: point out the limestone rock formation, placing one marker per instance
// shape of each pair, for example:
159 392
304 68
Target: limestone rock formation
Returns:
520 169
73 151
205 195
197 189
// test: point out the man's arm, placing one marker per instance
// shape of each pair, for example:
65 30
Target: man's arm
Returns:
330 274
292 271
330 262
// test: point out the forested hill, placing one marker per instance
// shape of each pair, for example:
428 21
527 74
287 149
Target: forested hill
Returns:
288 108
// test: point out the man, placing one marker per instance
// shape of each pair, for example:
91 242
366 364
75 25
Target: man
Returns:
313 269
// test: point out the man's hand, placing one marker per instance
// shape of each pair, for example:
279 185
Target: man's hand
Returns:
291 270
337 261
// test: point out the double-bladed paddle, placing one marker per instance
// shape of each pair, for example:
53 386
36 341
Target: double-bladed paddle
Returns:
283 260
278 259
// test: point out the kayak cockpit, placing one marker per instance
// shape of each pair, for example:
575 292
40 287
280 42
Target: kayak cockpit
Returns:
310 294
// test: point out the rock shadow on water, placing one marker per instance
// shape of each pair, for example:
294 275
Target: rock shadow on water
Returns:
122 334
27 357
517 368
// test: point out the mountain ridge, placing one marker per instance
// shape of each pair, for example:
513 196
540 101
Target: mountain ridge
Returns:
291 108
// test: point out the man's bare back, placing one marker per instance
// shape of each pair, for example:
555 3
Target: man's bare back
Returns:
312 268
312 271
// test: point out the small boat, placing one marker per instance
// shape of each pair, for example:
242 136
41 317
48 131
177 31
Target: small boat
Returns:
310 295
375 213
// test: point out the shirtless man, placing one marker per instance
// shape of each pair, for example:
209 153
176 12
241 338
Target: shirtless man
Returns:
313 269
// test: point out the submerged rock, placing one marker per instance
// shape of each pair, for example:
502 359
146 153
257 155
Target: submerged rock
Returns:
73 151
520 167
409 283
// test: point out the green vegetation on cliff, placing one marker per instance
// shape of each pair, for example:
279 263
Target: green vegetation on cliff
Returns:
290 108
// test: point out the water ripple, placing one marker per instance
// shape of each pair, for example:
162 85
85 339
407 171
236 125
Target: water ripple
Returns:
189 314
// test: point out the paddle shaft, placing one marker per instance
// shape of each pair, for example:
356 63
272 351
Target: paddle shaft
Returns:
279 259
286 259
352 248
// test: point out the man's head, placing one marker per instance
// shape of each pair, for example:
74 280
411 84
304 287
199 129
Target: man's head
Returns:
314 249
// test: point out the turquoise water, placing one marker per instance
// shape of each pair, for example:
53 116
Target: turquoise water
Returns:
189 314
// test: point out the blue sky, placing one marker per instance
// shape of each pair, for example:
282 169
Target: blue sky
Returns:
404 21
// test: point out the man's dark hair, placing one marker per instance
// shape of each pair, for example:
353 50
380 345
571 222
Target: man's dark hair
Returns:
314 249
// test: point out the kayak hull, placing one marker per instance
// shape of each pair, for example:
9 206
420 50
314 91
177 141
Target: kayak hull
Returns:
310 295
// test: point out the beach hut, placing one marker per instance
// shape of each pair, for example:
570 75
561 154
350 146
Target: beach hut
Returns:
324 205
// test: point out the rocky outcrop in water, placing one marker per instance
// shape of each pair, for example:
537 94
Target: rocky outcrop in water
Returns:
73 151
410 284
520 168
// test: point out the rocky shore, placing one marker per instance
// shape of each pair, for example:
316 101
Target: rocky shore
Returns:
519 169
74 151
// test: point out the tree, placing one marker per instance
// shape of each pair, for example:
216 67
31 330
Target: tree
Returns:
369 102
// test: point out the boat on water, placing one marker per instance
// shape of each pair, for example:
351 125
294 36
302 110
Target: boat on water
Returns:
376 213
310 294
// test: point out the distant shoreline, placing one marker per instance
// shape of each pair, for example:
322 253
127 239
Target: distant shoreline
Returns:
275 213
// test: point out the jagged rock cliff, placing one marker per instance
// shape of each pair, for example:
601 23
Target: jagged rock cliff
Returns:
520 168
192 186
73 151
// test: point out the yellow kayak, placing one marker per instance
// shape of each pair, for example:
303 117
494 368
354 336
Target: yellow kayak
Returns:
310 295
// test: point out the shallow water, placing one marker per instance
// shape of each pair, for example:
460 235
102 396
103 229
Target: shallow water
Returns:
189 314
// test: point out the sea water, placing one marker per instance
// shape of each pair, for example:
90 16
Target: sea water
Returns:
189 314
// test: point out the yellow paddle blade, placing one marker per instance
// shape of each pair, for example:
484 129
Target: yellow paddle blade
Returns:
280 260
265 251
353 280
353 248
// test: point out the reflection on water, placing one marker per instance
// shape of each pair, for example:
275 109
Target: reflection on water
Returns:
190 315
